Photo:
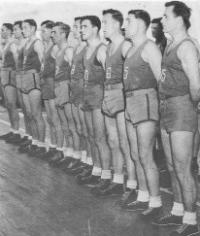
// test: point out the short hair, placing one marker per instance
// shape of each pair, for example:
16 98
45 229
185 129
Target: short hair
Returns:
31 22
94 20
48 24
181 9
64 27
9 26
19 22
157 21
141 14
116 15
78 18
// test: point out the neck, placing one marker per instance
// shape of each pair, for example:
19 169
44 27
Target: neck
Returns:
178 35
9 39
138 38
62 44
116 38
93 41
32 37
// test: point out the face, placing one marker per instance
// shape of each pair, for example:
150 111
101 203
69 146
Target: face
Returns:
154 29
5 33
17 31
28 30
169 20
87 30
45 33
110 26
57 34
77 29
131 26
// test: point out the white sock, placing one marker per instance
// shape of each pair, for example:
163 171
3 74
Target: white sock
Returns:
41 144
34 142
96 171
30 137
52 145
84 156
89 161
143 196
118 178
131 183
69 151
77 155
177 209
155 201
106 174
59 149
15 131
190 218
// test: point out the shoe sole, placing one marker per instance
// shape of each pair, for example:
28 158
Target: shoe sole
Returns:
166 225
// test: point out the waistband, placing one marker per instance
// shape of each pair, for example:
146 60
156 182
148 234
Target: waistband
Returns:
57 83
163 97
7 69
30 72
113 86
139 92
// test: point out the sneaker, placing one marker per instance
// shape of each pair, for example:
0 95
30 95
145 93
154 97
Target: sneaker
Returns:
89 181
6 136
136 206
151 213
40 151
32 149
168 220
103 184
86 172
58 156
129 196
14 139
186 230
112 190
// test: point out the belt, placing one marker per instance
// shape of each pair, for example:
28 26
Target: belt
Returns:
30 72
139 92
166 97
7 69
113 86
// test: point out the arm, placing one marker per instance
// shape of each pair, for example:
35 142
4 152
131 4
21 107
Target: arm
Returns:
153 61
101 55
188 55
13 49
69 52
39 48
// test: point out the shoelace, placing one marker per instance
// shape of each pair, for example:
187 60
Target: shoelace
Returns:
182 228
165 217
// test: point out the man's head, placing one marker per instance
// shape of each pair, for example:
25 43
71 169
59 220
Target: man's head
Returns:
90 27
6 30
17 29
137 20
177 15
77 27
156 27
112 22
29 27
46 28
60 32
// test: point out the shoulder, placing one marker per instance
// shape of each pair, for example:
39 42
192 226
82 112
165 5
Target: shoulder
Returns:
187 47
149 46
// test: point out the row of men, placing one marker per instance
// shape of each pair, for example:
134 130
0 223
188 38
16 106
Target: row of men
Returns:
102 100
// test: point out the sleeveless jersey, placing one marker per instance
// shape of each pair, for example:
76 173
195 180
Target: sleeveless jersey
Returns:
31 59
114 66
8 58
174 81
49 64
137 72
94 73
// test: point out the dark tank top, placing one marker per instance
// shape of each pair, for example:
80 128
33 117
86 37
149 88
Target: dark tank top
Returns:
94 73
62 68
137 72
8 58
77 70
174 81
20 59
49 64
31 59
114 66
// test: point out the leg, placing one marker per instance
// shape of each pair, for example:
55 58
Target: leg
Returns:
64 125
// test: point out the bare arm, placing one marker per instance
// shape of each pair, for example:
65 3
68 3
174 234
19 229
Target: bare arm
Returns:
188 55
152 55
39 48
101 55
69 55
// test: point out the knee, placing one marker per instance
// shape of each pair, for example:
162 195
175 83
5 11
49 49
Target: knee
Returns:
100 139
49 121
113 142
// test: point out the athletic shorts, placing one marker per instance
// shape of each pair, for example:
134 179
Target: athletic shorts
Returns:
142 106
178 114
19 80
30 81
61 93
48 88
76 92
113 102
92 97
8 77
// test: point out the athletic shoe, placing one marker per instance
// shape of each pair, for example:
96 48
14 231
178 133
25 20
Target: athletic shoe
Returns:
58 156
14 139
91 180
32 149
168 220
86 172
6 136
186 230
112 190
151 213
129 196
103 184
136 206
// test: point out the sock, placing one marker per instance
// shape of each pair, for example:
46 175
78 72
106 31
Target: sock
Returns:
52 145
69 151
118 178
143 196
155 201
177 209
30 137
96 171
131 183
77 155
41 144
34 142
84 156
106 174
89 161
190 218
14 131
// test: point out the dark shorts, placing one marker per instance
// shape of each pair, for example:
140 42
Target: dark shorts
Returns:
48 88
142 106
113 102
8 77
19 80
76 92
30 81
92 97
178 114
61 93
